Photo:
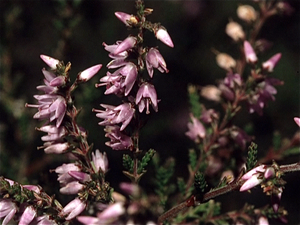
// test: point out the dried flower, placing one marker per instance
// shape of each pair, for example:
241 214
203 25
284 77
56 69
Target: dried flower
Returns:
271 63
146 95
249 53
246 13
211 92
235 31
162 35
225 61
155 59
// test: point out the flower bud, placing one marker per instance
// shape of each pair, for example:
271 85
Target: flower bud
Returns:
87 74
297 121
162 35
269 173
249 53
246 13
271 63
235 31
51 62
126 18
225 61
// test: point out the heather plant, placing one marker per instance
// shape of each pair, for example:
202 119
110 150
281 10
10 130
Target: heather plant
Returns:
225 158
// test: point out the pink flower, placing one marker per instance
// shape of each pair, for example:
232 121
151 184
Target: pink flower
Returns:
63 172
7 210
87 74
51 62
264 92
121 81
196 129
155 60
124 17
73 209
28 215
146 95
99 161
108 216
253 178
125 45
114 115
71 188
162 35
249 53
51 107
118 140
271 63
263 220
297 121
111 49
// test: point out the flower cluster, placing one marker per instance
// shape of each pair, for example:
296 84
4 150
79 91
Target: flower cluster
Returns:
129 58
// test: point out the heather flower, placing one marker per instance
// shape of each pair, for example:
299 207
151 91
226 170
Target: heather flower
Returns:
196 129
51 62
239 136
121 81
271 63
71 188
297 121
7 210
227 93
28 215
125 45
155 60
253 178
207 116
87 74
263 220
130 189
118 140
99 161
246 13
276 197
249 53
34 188
116 114
44 220
73 209
264 92
126 18
146 95
235 31
162 35
225 61
51 107
80 176
211 92
54 133
233 80
49 87
112 48
63 172
108 216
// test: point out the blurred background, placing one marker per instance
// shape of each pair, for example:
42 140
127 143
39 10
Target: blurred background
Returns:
75 30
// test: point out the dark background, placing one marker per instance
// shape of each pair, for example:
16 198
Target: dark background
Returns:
75 33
